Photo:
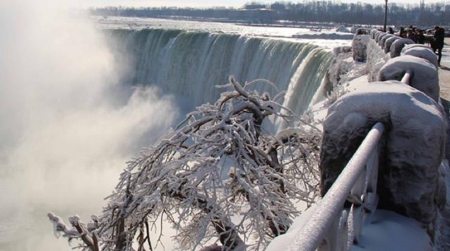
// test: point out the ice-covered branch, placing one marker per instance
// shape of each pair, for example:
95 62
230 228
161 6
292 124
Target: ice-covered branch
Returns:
220 176
78 230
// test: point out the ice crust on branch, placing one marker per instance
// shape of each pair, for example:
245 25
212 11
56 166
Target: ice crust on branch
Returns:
220 177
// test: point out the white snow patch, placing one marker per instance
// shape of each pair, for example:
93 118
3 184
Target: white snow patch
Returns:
388 231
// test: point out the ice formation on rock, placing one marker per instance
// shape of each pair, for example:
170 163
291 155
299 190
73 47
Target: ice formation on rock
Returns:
397 46
424 78
359 47
389 42
383 40
376 58
412 148
420 51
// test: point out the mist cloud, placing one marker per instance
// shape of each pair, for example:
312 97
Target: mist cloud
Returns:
67 125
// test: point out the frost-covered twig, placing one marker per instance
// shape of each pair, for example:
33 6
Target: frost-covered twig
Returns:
218 177
78 230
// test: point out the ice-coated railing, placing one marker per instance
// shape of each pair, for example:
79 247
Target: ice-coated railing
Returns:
406 77
331 227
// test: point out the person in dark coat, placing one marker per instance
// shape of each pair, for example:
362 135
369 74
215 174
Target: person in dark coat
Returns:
438 42
420 37
401 32
411 35
390 30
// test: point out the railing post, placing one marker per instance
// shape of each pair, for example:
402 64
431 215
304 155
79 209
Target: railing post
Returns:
406 78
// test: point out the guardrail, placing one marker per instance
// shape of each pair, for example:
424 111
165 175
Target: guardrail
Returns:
333 228
337 221
330 227
406 77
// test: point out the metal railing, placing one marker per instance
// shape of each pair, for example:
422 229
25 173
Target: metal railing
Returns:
406 77
332 228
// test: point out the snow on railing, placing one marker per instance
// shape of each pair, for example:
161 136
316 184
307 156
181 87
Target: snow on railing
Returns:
406 77
330 227
333 227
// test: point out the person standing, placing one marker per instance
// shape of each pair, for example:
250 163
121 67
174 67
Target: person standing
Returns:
390 30
438 43
411 35
420 37
401 32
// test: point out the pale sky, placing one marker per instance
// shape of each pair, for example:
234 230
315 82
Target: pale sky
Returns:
208 3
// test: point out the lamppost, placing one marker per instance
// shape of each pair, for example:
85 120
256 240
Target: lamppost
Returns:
385 15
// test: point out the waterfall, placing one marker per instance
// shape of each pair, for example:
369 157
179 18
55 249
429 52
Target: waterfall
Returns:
69 125
191 64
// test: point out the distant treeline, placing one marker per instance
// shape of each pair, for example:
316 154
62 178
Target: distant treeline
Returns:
307 11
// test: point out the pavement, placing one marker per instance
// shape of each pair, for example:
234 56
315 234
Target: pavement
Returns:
444 73
444 82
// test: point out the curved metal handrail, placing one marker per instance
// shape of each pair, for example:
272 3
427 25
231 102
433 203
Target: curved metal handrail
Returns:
330 227
351 185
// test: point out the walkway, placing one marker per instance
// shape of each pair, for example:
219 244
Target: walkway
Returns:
444 73
444 82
